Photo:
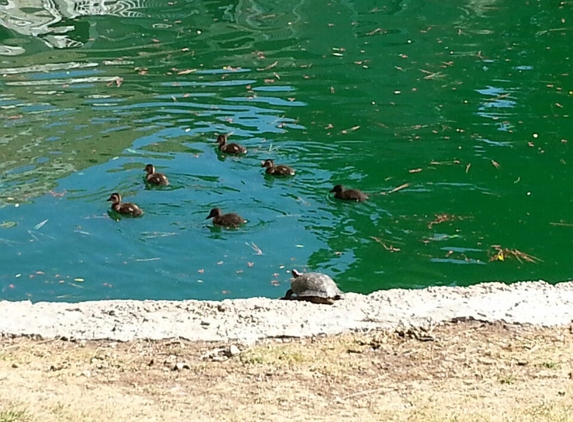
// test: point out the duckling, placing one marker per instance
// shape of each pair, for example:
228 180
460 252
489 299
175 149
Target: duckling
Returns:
154 178
348 194
278 169
231 148
126 208
227 220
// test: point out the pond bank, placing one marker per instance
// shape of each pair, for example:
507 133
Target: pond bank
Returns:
249 320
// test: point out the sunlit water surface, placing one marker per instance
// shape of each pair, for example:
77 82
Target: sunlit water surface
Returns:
454 118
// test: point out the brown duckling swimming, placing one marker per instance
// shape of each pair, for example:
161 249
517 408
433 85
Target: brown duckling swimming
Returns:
277 169
154 178
348 194
126 208
226 220
231 148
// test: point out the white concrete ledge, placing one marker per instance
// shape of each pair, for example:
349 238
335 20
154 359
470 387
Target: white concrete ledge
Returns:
252 319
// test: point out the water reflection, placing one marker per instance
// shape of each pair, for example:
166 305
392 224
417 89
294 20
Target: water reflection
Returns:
105 119
431 114
56 23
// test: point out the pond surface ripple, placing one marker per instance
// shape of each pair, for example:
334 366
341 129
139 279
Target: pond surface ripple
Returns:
454 118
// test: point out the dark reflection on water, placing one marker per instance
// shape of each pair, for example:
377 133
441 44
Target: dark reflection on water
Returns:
453 118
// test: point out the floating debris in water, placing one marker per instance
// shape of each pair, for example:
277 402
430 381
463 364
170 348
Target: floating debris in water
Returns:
502 253
40 225
255 248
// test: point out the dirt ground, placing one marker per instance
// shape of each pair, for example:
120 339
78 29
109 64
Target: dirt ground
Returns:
458 371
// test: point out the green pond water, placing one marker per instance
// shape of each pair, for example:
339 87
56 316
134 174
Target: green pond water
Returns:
454 116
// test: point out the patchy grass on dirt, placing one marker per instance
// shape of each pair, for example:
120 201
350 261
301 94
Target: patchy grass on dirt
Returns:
466 371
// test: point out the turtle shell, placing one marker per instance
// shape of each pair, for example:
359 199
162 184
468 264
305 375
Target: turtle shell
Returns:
311 286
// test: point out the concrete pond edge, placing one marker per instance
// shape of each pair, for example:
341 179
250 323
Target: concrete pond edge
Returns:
249 320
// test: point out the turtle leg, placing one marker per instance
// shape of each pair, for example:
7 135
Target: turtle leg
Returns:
317 299
288 295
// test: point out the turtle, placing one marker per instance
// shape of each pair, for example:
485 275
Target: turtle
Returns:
313 287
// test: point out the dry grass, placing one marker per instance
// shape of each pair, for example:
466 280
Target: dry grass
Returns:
463 372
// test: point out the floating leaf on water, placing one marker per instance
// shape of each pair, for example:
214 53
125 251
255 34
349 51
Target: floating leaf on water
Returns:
153 235
40 225
442 218
375 31
389 248
8 224
255 248
500 254
352 129
268 67
186 71
561 223
402 186
117 62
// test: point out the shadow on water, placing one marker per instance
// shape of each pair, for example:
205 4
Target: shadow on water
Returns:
444 116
